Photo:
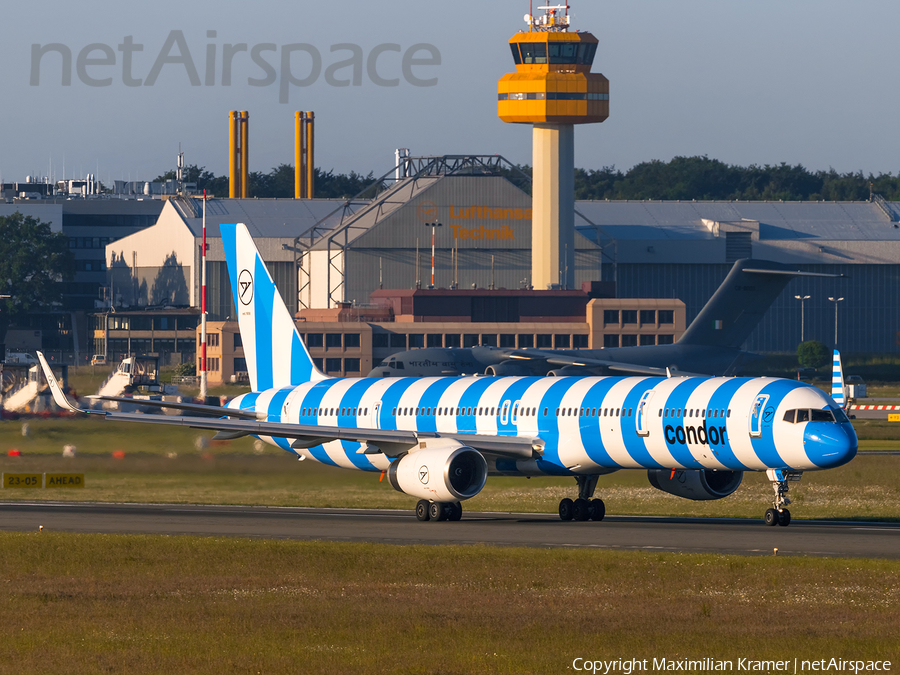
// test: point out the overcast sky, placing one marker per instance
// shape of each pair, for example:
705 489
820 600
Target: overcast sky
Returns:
744 81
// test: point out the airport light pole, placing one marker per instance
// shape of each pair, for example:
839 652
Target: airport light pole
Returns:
835 301
802 299
433 227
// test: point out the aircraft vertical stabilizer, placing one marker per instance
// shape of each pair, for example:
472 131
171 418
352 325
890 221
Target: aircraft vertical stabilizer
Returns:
276 356
737 307
837 380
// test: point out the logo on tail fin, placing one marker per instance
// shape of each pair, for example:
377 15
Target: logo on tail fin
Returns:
275 355
245 287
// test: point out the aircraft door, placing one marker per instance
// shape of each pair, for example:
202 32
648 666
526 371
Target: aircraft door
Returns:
757 414
642 419
375 420
514 417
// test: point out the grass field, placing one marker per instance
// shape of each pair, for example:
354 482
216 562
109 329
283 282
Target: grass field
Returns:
128 604
163 464
131 604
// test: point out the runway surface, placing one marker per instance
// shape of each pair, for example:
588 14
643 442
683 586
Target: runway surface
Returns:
708 535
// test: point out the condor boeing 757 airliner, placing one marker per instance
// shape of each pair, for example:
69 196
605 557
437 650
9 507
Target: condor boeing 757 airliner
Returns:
439 438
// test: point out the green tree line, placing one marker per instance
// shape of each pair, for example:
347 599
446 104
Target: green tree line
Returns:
682 178
705 179
279 182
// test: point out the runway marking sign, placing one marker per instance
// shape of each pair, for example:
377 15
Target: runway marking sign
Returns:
23 480
43 480
894 417
64 480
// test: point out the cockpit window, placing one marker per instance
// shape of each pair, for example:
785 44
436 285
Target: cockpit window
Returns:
827 415
840 415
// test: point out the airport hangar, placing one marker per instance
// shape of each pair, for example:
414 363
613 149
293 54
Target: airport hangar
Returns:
357 272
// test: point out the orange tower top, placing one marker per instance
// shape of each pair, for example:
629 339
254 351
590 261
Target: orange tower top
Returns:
553 82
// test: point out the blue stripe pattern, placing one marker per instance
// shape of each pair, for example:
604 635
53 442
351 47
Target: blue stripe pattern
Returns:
585 440
263 298
837 379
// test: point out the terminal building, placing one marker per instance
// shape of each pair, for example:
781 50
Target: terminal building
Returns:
348 267
90 224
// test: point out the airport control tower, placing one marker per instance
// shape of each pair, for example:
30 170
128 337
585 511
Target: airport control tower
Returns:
553 89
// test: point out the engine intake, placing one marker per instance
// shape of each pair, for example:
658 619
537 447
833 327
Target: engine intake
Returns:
441 473
507 368
569 371
699 485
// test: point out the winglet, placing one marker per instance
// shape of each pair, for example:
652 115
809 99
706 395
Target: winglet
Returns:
55 389
837 380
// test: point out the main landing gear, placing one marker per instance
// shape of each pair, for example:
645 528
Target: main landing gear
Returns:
583 508
779 515
426 510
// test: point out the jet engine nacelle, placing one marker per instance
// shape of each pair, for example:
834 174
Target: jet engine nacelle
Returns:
696 484
568 371
507 368
441 472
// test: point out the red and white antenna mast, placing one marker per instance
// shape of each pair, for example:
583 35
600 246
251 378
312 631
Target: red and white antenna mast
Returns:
203 388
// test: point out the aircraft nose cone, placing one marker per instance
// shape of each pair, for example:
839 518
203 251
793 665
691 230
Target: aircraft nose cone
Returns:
830 445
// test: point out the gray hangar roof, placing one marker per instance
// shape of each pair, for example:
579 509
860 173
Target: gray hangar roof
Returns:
264 218
777 220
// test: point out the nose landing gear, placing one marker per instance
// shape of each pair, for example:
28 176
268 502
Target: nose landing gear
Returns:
779 514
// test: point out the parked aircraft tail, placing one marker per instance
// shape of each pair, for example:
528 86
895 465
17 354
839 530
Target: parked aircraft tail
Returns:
276 356
837 380
739 304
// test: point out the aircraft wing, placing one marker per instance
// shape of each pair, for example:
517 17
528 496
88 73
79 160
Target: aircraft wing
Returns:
390 442
210 410
564 360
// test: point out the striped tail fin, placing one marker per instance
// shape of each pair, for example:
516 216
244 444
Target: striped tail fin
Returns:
837 380
276 356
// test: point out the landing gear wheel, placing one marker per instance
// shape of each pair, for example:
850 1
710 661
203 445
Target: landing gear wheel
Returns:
566 509
581 510
422 510
784 518
772 518
598 510
455 511
437 511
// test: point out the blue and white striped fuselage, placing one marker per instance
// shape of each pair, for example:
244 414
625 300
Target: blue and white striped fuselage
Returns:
587 425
